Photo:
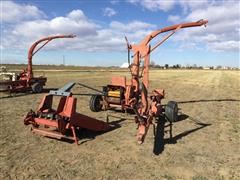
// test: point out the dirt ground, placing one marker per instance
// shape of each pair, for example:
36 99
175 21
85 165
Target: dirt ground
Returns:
207 150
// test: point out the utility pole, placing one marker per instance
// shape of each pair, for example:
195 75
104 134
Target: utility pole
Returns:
63 60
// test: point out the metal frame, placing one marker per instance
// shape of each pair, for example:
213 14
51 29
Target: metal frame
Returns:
56 123
136 90
25 80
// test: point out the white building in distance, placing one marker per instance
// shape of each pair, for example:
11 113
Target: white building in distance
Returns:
124 65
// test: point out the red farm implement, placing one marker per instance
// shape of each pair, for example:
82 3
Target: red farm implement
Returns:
133 93
26 81
62 122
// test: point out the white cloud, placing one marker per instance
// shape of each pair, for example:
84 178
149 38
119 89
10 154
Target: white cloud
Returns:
109 12
77 15
13 12
216 13
112 37
154 5
223 27
225 46
91 37
192 5
22 34
222 32
174 18
130 27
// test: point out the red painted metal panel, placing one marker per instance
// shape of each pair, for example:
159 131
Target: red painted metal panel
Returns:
46 122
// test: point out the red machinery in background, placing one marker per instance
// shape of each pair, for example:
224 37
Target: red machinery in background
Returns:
133 93
26 81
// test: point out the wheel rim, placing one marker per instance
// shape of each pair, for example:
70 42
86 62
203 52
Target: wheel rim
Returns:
39 88
98 104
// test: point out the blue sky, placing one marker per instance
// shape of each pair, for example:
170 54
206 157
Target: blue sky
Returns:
100 27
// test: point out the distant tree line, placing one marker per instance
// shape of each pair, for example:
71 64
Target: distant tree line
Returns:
175 66
188 66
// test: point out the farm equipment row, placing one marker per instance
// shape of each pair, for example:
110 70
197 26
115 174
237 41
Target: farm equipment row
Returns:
120 93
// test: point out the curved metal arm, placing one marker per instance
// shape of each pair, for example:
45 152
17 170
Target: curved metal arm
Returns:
143 50
32 50
148 38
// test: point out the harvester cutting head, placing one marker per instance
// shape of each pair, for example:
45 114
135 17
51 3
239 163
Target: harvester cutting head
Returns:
62 122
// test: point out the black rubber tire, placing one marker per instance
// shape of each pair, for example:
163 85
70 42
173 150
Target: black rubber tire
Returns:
37 88
95 103
4 87
171 111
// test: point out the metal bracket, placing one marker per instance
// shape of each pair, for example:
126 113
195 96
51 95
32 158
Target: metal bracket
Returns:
64 91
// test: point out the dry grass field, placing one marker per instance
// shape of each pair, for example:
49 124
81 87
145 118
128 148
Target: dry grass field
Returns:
197 151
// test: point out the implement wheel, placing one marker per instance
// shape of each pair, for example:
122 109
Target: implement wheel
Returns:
95 103
37 88
171 111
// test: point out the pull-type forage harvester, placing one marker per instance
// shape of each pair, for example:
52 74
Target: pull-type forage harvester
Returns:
126 94
133 93
26 81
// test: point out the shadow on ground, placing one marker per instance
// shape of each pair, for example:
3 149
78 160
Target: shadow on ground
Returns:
85 135
207 100
162 125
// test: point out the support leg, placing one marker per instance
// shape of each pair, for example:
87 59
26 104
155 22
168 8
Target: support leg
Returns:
74 135
170 131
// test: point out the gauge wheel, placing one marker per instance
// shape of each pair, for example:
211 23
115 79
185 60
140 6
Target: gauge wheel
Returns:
95 103
37 88
171 111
